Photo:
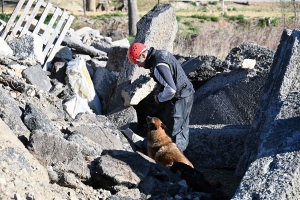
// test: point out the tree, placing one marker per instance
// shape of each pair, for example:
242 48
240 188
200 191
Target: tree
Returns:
283 11
223 12
133 16
84 7
295 7
2 6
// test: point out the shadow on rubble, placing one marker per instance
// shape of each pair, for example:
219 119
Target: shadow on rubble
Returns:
116 168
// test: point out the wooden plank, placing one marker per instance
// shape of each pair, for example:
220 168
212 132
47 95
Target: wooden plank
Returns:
42 19
21 19
12 19
55 33
58 42
57 13
33 14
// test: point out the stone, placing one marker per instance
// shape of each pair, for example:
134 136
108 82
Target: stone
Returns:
116 57
124 118
35 75
75 105
5 48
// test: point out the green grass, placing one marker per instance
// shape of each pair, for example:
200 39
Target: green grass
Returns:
193 3
5 17
206 17
109 15
47 20
130 39
267 21
194 30
240 19
187 23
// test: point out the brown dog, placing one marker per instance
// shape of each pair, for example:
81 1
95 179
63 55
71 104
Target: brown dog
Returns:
160 145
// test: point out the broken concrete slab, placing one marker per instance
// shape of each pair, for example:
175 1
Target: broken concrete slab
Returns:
217 146
11 114
64 53
116 58
105 83
75 105
95 63
22 170
102 44
100 130
158 27
111 166
233 97
202 68
35 119
274 142
136 139
138 90
35 75
77 44
28 48
81 83
54 150
87 146
5 48
59 71
121 43
87 31
124 118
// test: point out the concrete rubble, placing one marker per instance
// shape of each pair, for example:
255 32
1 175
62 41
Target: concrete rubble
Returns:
76 131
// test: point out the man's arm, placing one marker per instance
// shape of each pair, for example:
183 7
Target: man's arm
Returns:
163 75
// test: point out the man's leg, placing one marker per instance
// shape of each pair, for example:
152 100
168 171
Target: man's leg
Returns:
177 121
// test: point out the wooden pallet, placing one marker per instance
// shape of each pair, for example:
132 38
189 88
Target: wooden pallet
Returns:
51 36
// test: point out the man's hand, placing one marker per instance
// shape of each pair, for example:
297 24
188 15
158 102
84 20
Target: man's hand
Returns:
156 99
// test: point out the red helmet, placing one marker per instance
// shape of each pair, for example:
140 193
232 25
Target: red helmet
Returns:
134 51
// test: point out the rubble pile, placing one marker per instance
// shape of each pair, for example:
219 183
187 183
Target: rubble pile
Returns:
64 132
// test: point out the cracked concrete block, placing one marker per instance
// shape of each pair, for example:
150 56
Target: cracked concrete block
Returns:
5 49
80 81
138 90
28 48
272 158
75 105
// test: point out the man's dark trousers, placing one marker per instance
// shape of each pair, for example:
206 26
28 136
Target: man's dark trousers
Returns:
176 119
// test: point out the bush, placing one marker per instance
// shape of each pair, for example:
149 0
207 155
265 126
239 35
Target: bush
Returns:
47 20
130 39
206 18
261 23
193 3
5 17
267 21
214 19
187 23
275 22
194 30
232 18
178 18
213 2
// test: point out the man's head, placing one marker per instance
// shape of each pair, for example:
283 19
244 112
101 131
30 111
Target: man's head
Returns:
137 54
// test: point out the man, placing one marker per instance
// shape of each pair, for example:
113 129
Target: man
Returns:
178 93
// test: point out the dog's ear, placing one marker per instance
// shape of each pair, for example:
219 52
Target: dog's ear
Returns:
163 126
